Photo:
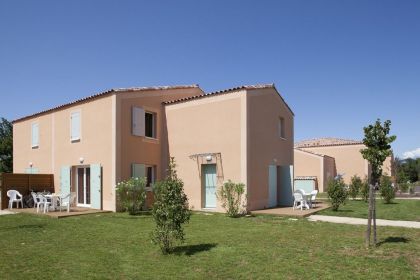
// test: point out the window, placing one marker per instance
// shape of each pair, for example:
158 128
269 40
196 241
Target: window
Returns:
150 175
75 126
137 121
150 124
35 135
281 128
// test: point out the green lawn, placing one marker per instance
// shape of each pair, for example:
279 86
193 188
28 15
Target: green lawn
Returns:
399 209
117 246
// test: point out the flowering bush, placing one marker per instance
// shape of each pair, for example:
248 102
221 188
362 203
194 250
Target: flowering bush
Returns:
132 195
230 194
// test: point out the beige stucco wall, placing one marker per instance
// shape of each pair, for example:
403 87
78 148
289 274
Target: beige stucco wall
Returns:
265 147
348 159
138 149
214 124
307 164
56 150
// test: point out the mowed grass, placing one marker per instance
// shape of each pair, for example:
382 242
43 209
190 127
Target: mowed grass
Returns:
398 209
117 246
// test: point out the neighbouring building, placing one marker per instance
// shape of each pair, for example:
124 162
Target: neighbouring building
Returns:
323 158
244 134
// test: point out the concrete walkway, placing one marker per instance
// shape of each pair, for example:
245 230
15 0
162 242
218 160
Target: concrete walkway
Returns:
6 212
359 221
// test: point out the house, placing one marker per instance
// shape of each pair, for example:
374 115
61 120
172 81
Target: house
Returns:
324 158
244 134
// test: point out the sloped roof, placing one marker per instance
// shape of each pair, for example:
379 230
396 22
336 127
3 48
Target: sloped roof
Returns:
327 141
309 152
103 94
226 91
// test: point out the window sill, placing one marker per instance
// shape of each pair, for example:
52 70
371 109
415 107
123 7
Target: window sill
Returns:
75 140
282 138
150 139
35 147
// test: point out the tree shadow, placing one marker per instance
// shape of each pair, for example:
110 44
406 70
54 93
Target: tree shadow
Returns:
190 250
394 239
20 227
344 210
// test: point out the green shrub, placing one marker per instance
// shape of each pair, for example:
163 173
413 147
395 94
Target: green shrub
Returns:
337 193
386 190
132 195
170 210
404 187
230 195
364 190
355 186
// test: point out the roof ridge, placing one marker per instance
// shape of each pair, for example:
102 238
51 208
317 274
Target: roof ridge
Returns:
103 94
326 141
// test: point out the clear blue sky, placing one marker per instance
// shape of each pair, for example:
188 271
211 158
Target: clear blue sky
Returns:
339 64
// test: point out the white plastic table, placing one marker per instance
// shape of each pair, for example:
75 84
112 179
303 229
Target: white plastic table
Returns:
54 198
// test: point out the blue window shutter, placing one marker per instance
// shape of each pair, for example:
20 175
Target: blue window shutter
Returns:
75 126
138 121
35 135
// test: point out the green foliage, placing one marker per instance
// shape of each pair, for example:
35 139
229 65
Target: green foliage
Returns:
364 190
337 192
378 147
132 195
170 210
6 146
404 187
230 194
355 186
386 189
408 170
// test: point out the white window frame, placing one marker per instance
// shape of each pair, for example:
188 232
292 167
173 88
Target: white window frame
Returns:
79 112
154 124
34 145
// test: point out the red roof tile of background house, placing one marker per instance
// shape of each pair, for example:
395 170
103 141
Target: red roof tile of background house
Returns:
327 141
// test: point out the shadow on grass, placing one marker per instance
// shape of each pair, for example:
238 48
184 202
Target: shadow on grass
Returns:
190 250
394 239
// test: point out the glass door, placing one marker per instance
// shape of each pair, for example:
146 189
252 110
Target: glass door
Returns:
83 186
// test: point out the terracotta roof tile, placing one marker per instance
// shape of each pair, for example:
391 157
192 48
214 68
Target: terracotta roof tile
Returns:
103 94
327 141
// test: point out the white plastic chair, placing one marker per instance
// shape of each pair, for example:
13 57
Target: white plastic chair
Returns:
67 201
36 199
298 200
14 196
313 197
43 203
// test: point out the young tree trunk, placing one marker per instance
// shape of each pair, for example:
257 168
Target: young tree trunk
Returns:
374 215
369 224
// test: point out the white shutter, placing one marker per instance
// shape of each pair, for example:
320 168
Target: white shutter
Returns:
75 126
137 121
138 170
35 135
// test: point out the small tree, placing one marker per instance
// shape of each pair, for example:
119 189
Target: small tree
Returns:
170 210
378 148
132 195
6 146
364 190
355 186
230 194
337 192
386 189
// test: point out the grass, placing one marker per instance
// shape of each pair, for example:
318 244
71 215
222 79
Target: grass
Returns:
117 246
401 209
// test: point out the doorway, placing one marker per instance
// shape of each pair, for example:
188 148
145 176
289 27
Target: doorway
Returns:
209 183
83 186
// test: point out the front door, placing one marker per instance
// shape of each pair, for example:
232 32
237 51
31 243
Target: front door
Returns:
83 186
209 185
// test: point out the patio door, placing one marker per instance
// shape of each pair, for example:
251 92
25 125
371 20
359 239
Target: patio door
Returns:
209 179
83 186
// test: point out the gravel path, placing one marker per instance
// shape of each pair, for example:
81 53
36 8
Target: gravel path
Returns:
359 221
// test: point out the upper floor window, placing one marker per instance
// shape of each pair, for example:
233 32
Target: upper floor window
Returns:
35 135
281 128
143 123
75 126
150 126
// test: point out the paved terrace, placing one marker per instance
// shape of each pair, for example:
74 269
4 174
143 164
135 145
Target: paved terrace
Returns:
75 211
288 211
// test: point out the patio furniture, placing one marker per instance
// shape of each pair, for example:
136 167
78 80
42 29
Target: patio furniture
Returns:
302 199
43 202
14 196
35 199
67 201
53 199
313 198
